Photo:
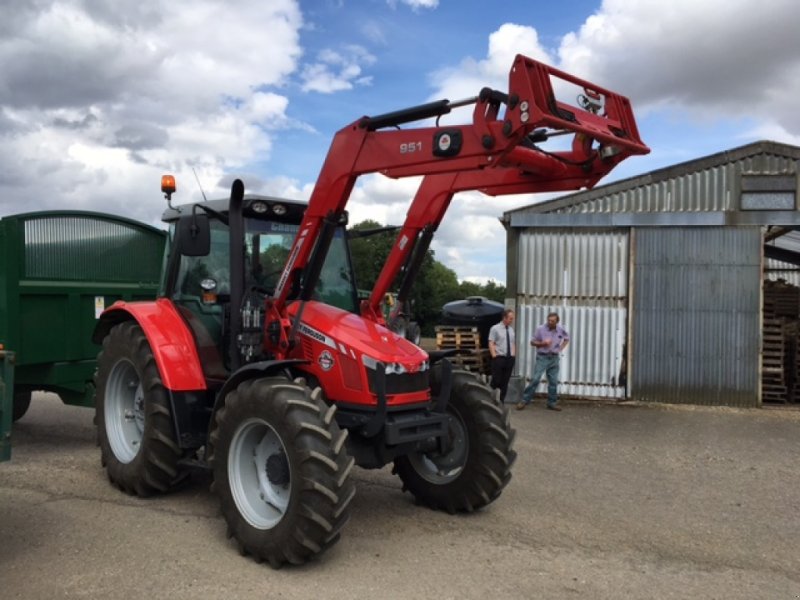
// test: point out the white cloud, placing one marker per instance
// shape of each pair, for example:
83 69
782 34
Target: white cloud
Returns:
717 59
414 4
98 97
382 199
471 75
335 71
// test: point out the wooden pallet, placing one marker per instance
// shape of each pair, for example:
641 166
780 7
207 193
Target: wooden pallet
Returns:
449 336
774 361
781 299
477 361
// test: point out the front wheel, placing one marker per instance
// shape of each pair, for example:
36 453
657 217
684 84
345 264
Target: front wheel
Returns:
475 466
133 415
281 470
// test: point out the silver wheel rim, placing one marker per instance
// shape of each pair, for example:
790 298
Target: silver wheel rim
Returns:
439 468
124 411
261 501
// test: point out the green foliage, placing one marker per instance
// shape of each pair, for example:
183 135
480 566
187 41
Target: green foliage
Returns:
369 253
436 284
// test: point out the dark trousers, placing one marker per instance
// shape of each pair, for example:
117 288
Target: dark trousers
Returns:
502 366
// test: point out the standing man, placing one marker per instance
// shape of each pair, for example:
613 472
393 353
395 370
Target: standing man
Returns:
503 349
549 340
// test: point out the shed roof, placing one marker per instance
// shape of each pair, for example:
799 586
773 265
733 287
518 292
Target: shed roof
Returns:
702 185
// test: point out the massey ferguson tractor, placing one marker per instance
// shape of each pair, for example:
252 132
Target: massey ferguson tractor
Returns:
258 363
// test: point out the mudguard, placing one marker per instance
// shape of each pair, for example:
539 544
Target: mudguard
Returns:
169 336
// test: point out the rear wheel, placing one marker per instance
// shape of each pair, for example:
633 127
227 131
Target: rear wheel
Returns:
475 466
133 415
281 470
22 402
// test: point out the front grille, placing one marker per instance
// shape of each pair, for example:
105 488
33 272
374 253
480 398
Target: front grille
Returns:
401 383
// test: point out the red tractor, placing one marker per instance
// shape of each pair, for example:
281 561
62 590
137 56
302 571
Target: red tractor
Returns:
258 363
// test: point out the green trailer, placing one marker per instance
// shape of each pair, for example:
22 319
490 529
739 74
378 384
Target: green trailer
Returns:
58 271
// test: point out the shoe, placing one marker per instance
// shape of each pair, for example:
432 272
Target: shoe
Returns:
558 408
521 405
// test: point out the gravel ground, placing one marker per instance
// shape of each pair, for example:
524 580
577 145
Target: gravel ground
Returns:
607 501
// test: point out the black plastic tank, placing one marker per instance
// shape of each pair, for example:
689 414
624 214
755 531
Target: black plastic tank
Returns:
475 311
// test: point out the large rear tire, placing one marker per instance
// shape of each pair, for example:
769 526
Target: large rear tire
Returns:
476 466
281 470
133 415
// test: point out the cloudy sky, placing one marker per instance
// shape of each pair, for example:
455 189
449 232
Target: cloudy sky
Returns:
98 98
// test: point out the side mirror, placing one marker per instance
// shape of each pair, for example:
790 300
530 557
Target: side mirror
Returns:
193 235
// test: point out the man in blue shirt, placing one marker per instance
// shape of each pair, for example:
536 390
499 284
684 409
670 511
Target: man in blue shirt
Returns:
549 340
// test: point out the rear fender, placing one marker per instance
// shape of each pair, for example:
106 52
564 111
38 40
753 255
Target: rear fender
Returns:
169 336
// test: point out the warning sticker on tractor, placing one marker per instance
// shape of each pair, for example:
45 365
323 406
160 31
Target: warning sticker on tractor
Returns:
99 306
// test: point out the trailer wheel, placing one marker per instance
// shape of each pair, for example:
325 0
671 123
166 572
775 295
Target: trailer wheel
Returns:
22 402
281 470
133 415
474 468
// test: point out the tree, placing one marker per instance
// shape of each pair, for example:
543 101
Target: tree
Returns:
489 290
369 253
436 284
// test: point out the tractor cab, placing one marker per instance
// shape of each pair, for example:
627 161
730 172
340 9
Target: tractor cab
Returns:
198 276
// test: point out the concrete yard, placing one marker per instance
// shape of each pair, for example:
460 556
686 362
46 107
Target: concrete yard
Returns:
607 501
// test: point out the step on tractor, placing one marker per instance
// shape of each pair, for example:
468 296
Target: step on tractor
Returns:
258 362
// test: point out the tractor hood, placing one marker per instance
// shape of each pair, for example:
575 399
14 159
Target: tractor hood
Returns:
357 338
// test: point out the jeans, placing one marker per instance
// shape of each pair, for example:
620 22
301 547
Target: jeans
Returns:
545 363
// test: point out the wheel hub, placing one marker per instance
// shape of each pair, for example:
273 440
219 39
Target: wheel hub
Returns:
259 473
445 463
278 469
124 409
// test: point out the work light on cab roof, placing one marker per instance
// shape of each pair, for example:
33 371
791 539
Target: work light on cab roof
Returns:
168 186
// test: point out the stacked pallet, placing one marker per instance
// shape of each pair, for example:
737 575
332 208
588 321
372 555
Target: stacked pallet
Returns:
792 360
466 340
780 360
781 300
774 386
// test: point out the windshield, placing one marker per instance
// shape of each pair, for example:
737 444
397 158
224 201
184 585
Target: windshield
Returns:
267 245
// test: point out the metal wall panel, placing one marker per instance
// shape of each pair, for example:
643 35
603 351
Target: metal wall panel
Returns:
584 277
710 189
696 306
67 247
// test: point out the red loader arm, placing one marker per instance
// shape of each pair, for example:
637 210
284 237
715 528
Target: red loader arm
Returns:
492 153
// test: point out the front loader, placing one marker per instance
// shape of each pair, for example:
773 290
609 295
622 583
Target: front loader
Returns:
258 363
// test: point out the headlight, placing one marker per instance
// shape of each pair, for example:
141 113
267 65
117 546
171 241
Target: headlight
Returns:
391 368
395 368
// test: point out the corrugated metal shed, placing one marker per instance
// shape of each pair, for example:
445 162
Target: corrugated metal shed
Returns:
694 262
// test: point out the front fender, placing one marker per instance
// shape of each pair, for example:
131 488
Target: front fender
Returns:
169 336
253 370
